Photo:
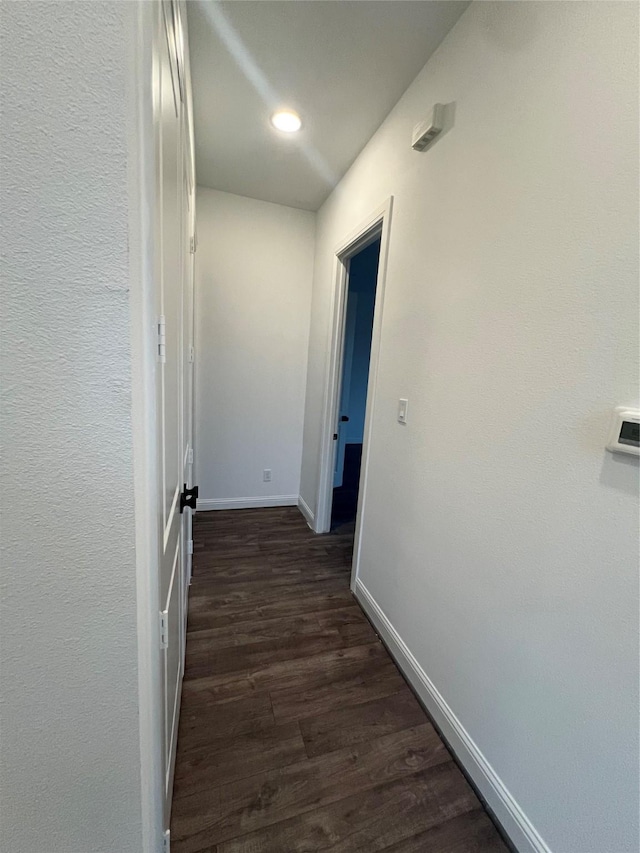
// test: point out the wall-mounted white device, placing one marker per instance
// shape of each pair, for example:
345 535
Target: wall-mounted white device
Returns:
426 131
624 435
403 410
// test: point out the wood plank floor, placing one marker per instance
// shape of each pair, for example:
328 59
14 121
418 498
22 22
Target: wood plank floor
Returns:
297 732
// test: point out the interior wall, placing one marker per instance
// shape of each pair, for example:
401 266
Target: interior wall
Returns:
69 717
254 268
499 537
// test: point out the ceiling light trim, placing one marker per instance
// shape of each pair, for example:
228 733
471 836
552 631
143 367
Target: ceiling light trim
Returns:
286 121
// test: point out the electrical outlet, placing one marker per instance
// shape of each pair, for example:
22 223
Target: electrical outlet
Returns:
266 475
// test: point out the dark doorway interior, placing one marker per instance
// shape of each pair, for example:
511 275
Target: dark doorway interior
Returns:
345 497
361 293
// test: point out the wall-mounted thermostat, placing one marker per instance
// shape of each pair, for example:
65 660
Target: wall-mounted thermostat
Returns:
624 436
426 131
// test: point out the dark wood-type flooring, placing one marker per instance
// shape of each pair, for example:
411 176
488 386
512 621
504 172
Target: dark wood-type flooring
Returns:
297 731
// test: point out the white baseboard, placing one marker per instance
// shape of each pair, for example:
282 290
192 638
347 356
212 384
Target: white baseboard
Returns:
304 508
514 821
246 503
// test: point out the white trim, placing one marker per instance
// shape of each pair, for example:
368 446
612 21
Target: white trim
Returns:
376 225
305 509
371 384
171 732
514 821
246 503
169 521
167 603
141 164
331 396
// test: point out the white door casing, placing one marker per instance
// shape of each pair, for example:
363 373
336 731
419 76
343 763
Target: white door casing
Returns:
175 222
376 226
162 225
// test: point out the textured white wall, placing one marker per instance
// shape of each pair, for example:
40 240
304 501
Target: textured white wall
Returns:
499 537
254 268
70 744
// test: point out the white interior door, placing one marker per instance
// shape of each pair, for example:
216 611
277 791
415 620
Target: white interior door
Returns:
187 359
175 320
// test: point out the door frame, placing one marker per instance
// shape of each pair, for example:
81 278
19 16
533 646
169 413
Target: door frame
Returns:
142 201
376 225
144 37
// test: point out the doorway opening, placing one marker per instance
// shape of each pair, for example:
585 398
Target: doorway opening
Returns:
360 262
362 274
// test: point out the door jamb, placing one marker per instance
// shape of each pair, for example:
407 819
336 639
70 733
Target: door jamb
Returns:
142 199
377 224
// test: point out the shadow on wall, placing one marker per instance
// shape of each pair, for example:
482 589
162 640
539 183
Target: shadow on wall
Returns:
620 472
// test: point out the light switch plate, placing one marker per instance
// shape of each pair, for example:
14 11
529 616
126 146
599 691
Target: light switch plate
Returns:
403 406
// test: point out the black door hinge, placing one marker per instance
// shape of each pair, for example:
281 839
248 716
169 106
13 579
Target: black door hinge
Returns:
188 497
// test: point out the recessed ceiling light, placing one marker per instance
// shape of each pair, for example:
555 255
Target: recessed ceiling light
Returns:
286 120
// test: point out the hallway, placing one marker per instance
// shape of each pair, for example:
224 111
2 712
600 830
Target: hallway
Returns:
297 732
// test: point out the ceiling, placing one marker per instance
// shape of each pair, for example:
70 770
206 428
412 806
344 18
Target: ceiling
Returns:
341 64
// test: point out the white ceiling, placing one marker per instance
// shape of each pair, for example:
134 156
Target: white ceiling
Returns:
342 64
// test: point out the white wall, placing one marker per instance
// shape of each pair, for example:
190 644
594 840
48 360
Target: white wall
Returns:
254 267
499 537
70 742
